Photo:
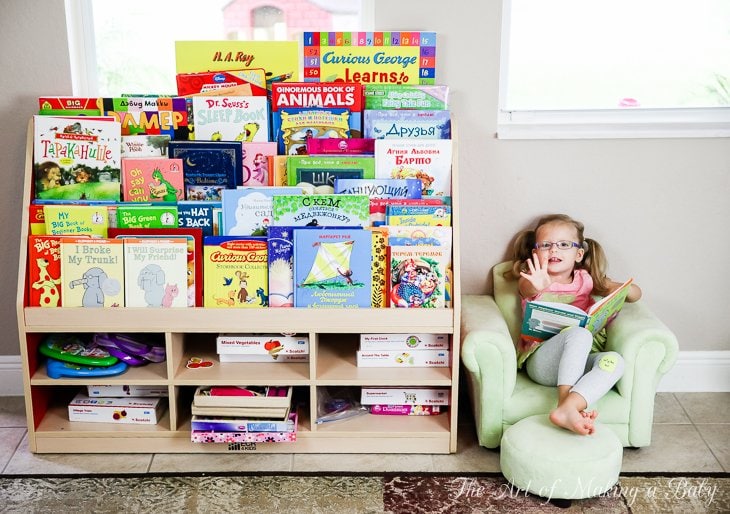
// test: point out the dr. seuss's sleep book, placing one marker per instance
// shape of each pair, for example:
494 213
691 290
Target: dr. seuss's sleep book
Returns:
76 158
236 272
231 118
421 124
92 272
332 268
155 272
209 167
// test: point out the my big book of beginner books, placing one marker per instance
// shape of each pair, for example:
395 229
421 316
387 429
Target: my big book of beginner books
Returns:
76 158
418 275
332 268
208 167
152 180
302 111
92 272
428 160
155 272
544 319
236 272
231 118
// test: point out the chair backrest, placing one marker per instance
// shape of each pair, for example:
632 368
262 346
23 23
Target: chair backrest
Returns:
507 297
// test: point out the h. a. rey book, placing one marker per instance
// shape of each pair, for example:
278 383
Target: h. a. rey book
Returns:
209 167
417 276
92 272
155 272
428 160
231 118
236 272
321 210
76 158
332 268
544 318
152 180
302 111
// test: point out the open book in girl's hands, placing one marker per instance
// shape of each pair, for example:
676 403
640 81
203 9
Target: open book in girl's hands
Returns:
545 319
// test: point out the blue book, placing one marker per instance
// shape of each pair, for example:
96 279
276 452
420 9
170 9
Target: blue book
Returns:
247 211
379 187
332 268
393 124
202 215
209 167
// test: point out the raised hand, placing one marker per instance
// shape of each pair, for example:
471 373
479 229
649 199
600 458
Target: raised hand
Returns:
538 274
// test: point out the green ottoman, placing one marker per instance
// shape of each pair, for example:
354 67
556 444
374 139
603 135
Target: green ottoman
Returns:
554 463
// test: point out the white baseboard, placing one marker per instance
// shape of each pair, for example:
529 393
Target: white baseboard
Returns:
693 372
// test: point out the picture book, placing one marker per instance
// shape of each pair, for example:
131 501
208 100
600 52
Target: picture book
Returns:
370 57
144 146
428 160
437 215
406 96
417 275
236 272
379 187
68 106
332 268
379 265
151 115
322 171
544 319
256 163
193 238
418 235
280 59
152 180
414 124
341 146
322 210
44 271
277 170
231 118
78 220
155 272
208 167
379 205
302 111
198 214
146 216
92 272
230 82
247 211
36 220
76 158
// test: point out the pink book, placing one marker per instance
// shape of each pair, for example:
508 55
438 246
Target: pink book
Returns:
405 410
256 162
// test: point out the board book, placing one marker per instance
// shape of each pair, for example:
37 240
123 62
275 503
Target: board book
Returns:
247 211
413 124
406 96
321 210
145 216
231 118
323 170
236 272
428 160
208 167
543 320
256 163
152 180
92 272
418 276
155 272
76 220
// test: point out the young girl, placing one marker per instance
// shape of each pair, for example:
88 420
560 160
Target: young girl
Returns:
555 263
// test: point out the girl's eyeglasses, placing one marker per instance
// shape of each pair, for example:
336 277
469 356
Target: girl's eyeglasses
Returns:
562 245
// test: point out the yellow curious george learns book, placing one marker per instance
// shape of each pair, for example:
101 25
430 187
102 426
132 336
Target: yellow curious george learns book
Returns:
543 320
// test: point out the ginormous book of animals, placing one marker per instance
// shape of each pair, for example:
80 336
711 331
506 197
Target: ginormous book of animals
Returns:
236 272
76 158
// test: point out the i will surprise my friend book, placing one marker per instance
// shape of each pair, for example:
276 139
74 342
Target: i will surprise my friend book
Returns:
152 180
236 272
208 167
92 272
155 272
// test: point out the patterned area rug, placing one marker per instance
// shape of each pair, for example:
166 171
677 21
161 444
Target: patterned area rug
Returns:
341 493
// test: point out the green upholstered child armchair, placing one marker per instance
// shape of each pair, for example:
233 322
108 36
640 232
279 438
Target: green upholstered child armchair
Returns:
501 396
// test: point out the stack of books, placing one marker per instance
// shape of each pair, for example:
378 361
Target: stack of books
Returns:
405 401
403 350
229 414
262 348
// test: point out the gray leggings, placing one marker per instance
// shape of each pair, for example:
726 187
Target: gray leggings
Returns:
565 359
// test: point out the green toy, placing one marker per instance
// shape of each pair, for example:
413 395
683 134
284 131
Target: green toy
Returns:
70 348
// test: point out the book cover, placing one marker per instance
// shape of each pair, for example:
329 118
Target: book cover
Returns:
155 272
36 220
247 211
256 163
253 81
92 272
78 220
236 272
150 115
208 167
436 215
44 271
428 160
322 171
302 111
144 146
404 359
152 180
417 276
419 235
321 210
341 146
146 216
405 410
76 158
68 106
379 267
193 238
277 170
413 124
231 118
405 396
543 320
332 268
379 187
272 345
198 214
408 341
406 96
370 57
378 206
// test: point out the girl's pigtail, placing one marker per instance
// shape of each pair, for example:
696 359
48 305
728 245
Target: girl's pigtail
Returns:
521 251
594 261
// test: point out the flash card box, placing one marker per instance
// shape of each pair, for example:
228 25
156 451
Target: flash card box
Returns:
404 396
232 396
126 391
136 411
262 344
404 341
403 359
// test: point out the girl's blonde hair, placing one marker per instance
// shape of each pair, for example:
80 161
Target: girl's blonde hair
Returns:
594 259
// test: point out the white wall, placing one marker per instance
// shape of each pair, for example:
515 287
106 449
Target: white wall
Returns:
660 207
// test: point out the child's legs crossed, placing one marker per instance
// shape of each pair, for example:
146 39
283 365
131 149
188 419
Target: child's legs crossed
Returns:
561 360
603 370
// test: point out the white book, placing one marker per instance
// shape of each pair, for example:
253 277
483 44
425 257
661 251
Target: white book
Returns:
403 359
404 342
268 345
426 159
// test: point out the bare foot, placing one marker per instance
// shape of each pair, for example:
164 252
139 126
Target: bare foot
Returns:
570 419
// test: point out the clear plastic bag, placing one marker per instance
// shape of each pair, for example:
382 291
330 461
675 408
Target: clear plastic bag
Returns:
336 403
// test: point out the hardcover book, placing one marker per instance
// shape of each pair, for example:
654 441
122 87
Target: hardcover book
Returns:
378 206
247 211
322 171
231 118
417 276
379 267
198 214
332 268
150 115
231 82
419 235
68 106
436 215
321 210
413 124
152 180
428 160
370 57
76 158
406 96
76 220
302 111
44 271
145 146
236 272
92 272
341 146
256 163
155 272
146 216
209 167
379 187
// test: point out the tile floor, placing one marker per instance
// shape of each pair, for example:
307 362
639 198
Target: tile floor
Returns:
691 434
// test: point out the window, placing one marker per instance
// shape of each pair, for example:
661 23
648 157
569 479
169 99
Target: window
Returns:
619 68
130 48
